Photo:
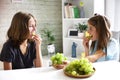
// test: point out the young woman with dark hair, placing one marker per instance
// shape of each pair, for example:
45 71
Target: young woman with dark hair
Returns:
22 49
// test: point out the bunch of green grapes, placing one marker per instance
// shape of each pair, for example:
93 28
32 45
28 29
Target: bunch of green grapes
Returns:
58 58
79 67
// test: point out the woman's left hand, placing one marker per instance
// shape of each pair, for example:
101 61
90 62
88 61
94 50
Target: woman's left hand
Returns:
38 39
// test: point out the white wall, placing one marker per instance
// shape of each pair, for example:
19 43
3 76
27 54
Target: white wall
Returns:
112 12
43 10
117 15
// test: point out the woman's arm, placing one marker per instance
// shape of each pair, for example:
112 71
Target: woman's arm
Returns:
7 65
86 46
38 60
98 54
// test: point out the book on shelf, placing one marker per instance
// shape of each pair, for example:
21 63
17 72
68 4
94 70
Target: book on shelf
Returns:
75 12
67 9
67 13
71 11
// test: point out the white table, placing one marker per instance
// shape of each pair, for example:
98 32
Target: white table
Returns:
108 70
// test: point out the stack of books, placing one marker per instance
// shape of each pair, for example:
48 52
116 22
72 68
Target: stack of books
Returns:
71 11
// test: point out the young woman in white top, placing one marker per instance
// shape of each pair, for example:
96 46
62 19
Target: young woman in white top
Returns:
103 46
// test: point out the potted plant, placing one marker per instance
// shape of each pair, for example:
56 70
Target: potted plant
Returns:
81 29
49 36
50 39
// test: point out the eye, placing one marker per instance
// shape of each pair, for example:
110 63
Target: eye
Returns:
90 28
30 26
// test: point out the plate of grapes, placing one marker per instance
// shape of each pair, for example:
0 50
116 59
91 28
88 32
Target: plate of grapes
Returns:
79 68
59 61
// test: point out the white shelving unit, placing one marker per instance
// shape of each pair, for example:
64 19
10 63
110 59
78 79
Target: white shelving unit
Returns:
90 7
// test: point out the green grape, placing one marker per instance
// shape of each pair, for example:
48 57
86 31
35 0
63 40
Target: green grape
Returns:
89 69
69 72
89 72
73 69
73 72
52 58
55 62
67 69
83 66
59 62
80 69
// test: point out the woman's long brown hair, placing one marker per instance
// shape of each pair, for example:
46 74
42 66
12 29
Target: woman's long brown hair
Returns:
19 29
102 25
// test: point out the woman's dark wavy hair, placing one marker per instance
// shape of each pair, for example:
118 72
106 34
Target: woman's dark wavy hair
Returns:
102 25
19 29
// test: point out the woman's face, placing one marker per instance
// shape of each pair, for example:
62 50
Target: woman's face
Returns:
32 26
92 31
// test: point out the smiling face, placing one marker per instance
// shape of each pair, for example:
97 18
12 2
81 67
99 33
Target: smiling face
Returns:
32 26
92 31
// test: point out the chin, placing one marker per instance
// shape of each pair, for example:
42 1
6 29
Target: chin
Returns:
93 39
30 37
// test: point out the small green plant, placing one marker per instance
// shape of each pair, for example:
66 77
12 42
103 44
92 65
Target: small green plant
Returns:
81 27
48 35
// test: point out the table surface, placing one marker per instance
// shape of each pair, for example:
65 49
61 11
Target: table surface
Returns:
107 70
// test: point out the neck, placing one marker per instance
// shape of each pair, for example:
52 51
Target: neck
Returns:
24 43
23 47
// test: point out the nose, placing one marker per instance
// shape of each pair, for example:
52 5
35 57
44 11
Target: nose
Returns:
34 28
88 30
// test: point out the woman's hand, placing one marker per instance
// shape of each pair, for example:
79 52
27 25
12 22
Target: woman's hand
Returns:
38 61
7 65
38 39
86 42
86 45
